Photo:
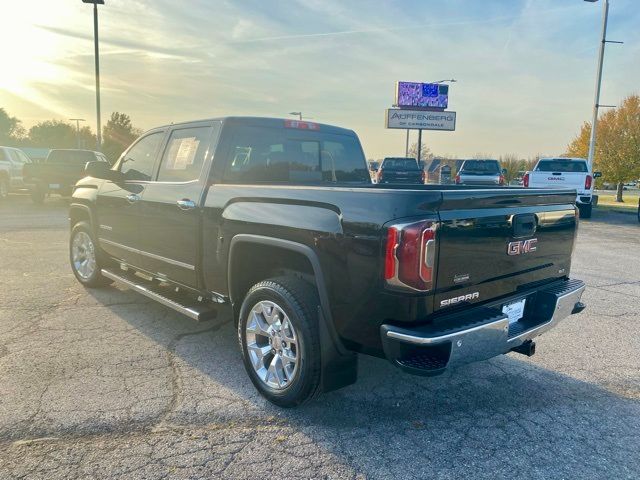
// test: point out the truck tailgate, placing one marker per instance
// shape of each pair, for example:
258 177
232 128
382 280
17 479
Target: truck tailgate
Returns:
557 180
493 243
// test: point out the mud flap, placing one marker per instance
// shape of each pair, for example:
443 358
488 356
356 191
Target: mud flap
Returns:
338 369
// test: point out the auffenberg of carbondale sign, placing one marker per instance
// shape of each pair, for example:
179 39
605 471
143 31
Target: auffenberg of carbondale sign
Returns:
420 119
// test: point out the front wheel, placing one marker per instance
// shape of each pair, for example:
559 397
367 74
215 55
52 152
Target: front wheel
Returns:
86 257
278 335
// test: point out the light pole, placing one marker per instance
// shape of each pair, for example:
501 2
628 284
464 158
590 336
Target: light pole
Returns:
97 60
596 102
77 120
299 114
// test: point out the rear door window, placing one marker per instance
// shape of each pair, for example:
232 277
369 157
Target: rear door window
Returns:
184 154
292 156
561 165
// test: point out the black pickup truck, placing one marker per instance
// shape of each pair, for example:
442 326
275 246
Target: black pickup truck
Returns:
277 221
400 170
59 172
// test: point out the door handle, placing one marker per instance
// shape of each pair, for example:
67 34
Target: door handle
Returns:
186 204
133 198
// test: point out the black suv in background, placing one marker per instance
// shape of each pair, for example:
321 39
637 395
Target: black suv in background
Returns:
400 170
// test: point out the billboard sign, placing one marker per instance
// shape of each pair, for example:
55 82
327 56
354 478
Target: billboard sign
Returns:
422 95
420 119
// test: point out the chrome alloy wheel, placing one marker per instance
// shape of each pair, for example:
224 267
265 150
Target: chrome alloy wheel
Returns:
83 255
272 345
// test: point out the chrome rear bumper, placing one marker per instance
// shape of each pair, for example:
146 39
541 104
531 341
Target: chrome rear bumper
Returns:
481 332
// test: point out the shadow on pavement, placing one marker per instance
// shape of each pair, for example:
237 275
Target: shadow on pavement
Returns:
501 418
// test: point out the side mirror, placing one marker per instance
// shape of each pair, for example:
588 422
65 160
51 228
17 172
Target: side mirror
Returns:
503 171
597 174
101 170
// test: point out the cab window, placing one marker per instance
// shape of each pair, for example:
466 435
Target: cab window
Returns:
184 154
138 163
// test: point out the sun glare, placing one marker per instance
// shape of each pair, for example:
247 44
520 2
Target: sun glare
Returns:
31 53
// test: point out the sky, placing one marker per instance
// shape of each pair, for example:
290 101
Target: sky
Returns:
525 69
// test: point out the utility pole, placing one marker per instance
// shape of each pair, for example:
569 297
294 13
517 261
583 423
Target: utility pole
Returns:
406 145
77 120
596 102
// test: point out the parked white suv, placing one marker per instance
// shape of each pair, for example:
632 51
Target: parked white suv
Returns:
565 173
11 162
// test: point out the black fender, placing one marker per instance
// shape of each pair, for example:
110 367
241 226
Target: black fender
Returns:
339 365
85 208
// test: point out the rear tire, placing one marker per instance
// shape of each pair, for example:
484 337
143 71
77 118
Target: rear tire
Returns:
86 257
279 339
585 210
4 188
37 194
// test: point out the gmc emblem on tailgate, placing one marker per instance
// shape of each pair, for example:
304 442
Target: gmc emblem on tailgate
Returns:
522 246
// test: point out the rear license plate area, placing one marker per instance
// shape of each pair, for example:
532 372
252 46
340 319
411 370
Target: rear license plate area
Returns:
514 310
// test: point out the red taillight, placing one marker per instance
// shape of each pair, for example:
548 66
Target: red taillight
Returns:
390 253
501 181
410 255
301 125
457 178
525 180
587 182
379 175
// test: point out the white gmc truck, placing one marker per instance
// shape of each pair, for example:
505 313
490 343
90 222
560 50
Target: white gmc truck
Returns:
565 173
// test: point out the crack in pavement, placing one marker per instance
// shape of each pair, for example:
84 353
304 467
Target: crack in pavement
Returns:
176 378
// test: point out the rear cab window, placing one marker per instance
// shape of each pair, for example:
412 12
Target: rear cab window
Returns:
480 167
562 165
76 157
400 164
290 155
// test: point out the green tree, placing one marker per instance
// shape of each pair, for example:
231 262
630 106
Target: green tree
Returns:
425 152
512 164
53 134
11 129
117 135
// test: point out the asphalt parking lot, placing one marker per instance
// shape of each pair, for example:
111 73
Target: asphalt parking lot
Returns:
105 384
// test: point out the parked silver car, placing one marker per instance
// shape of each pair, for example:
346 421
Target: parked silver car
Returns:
480 172
12 161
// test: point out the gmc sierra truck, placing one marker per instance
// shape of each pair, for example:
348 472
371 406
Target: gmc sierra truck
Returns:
571 173
277 222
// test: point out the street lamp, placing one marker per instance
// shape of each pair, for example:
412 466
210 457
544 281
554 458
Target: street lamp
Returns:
596 102
299 114
97 60
77 120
